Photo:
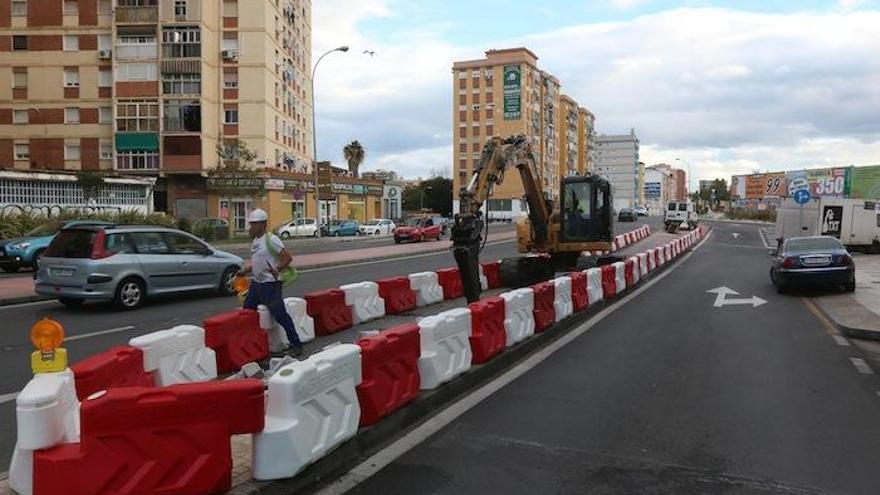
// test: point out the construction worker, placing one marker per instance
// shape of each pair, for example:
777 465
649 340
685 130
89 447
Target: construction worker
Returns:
268 258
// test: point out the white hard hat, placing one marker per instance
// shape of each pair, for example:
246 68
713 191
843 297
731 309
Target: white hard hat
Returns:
258 215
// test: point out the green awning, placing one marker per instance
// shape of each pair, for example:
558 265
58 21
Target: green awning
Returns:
137 141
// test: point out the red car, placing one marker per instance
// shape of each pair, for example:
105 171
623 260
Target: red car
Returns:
418 229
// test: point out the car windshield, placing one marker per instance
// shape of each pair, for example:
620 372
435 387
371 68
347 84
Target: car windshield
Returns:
72 244
626 210
51 228
414 222
371 222
813 244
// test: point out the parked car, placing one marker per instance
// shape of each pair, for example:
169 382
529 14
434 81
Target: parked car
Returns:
812 261
301 227
627 215
418 229
378 226
26 251
641 211
127 264
211 228
339 228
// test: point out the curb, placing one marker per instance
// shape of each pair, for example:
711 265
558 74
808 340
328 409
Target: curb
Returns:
371 440
727 220
854 332
22 300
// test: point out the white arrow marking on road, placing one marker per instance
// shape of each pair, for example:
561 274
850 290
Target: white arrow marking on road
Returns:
722 300
735 235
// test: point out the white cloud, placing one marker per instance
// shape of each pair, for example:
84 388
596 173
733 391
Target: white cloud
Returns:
629 4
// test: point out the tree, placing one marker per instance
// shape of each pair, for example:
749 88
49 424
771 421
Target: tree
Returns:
235 174
91 183
722 192
354 154
434 194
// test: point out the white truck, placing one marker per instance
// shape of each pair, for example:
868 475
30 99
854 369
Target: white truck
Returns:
678 213
855 222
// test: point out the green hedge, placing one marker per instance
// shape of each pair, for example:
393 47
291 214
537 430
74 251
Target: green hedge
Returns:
18 224
768 215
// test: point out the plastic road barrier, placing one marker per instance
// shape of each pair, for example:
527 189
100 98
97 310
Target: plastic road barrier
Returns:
312 408
630 238
519 319
177 355
329 311
236 338
563 306
660 253
154 440
304 324
450 280
427 288
121 366
397 294
488 337
594 284
389 371
580 298
484 282
629 269
446 349
620 276
47 414
364 300
492 271
609 282
643 264
544 313
667 252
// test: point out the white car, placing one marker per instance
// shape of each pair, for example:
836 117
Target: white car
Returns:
378 226
301 227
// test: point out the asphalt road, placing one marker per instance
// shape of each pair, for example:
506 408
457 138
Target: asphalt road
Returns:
671 395
95 327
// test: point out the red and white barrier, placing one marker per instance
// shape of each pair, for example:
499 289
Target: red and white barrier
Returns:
562 303
519 320
488 337
446 350
644 264
329 310
594 284
427 288
389 371
177 355
236 338
619 276
364 301
302 322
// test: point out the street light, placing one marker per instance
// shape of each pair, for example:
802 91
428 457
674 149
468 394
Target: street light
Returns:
422 197
315 137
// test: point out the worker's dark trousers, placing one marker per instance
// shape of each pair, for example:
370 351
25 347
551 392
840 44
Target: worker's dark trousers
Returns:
270 295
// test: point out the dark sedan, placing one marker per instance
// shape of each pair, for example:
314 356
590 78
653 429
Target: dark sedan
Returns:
811 262
627 215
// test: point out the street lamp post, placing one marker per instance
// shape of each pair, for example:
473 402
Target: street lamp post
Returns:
315 137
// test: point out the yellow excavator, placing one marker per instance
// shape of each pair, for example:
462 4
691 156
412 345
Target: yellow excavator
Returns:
582 219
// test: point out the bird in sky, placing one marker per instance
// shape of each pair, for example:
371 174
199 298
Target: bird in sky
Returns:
370 53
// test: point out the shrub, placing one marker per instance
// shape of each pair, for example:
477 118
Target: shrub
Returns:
19 223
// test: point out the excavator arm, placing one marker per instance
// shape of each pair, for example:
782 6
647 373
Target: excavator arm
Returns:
499 155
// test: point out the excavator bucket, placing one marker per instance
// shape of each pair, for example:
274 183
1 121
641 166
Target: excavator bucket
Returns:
466 240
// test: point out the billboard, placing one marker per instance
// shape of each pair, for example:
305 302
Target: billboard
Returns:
865 182
738 186
763 186
822 182
512 92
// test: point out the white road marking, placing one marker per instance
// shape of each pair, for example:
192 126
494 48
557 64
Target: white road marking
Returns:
96 334
28 304
374 464
862 366
8 397
722 300
764 238
841 340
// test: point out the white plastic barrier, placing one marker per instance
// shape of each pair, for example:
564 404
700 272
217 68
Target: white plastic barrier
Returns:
634 260
652 262
667 252
594 285
427 288
661 256
47 414
643 264
446 350
177 355
519 316
562 304
619 277
312 408
364 300
304 324
484 282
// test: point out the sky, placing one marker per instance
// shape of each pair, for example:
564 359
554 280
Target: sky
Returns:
727 87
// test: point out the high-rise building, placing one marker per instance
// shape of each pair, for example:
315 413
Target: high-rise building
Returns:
506 94
569 137
658 185
586 140
617 159
380 174
679 180
640 185
154 87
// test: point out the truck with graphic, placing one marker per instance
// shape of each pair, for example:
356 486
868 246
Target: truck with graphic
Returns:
855 222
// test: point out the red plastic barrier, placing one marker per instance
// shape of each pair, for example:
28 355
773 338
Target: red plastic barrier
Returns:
629 268
390 368
450 280
487 329
328 309
609 282
655 253
492 271
630 238
154 441
544 312
236 338
398 295
580 298
118 367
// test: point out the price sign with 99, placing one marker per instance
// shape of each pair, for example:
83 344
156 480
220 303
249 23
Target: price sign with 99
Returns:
773 184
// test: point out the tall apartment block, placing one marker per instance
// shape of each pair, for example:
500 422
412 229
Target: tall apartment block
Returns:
151 88
506 94
586 140
617 158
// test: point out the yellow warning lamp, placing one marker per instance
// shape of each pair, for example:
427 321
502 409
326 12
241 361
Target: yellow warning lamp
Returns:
241 285
47 336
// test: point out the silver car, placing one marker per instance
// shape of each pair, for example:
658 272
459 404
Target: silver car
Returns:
126 264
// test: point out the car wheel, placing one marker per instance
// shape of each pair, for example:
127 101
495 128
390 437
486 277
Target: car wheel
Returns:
850 287
315 233
285 235
70 302
129 294
336 234
227 281
396 241
11 268
35 263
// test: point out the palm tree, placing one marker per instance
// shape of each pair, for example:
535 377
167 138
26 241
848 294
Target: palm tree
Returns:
354 155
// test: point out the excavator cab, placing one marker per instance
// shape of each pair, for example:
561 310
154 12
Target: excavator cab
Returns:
586 214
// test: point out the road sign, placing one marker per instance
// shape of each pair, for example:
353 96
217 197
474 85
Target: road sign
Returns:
722 300
802 196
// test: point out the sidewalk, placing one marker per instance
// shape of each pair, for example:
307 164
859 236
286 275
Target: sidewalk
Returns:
857 314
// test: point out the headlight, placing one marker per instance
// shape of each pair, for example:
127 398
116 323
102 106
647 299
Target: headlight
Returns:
23 245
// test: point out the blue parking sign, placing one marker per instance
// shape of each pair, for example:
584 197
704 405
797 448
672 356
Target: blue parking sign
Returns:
802 196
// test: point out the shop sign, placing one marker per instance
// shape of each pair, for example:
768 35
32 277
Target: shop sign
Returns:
244 183
865 182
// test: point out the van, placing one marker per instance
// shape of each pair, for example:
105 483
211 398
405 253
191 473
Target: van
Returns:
677 213
855 222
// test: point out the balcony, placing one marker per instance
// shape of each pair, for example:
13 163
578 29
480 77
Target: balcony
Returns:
137 15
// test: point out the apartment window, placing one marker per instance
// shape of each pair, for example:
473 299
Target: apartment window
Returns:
137 116
230 116
137 160
71 43
71 151
180 9
462 74
490 130
182 42
183 115
104 42
71 115
22 151
230 8
105 115
19 8
230 80
71 78
19 79
105 7
19 43
20 117
105 78
71 7
136 47
475 74
106 151
137 72
181 84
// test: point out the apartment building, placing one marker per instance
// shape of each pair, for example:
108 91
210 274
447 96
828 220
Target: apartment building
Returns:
152 88
617 159
506 94
586 140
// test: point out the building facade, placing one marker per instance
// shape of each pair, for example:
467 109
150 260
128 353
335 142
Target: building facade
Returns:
586 140
153 88
569 137
679 179
657 189
617 159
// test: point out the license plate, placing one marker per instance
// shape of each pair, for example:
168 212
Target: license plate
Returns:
61 272
817 261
